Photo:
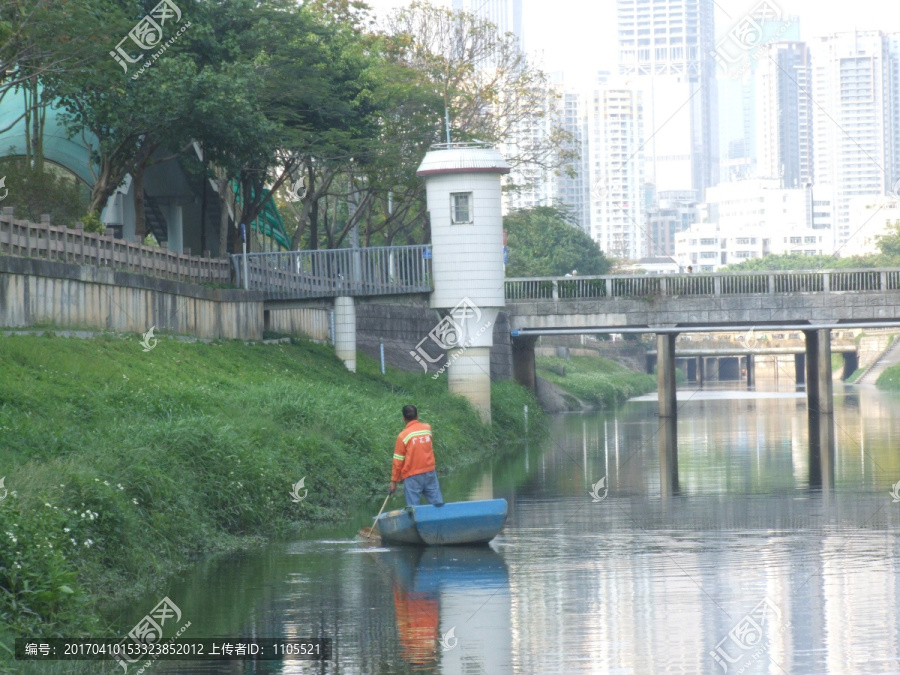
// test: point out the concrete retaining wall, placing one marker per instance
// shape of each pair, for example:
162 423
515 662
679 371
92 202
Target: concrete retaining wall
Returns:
313 322
871 347
39 292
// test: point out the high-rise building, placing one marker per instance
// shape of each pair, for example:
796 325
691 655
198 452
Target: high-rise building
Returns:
573 189
784 114
505 14
616 172
740 53
856 119
669 214
667 46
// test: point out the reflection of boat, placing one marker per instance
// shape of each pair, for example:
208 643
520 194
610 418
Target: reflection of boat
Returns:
453 523
427 570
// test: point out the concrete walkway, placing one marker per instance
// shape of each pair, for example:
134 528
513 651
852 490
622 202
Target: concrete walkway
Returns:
890 357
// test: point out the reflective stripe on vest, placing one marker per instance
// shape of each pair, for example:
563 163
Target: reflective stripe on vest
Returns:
416 433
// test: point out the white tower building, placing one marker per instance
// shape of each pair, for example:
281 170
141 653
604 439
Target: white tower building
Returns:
462 183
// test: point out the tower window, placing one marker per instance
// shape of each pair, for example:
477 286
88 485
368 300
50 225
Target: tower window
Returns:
460 207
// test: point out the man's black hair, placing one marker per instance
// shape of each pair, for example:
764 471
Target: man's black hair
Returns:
410 413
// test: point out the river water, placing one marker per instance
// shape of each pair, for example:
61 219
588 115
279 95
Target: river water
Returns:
744 551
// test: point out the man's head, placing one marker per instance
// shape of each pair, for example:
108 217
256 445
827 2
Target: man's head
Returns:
410 413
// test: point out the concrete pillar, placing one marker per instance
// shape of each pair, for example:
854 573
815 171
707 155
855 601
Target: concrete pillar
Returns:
821 452
665 374
826 383
668 457
700 368
800 368
812 370
345 332
469 376
750 377
523 361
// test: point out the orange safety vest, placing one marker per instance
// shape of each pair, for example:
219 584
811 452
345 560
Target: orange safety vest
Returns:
413 452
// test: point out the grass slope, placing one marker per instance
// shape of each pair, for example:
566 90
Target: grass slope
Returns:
596 380
122 466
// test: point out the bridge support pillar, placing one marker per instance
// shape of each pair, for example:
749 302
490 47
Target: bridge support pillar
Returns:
345 331
826 382
665 374
470 376
523 361
668 457
700 369
812 370
799 368
750 374
819 388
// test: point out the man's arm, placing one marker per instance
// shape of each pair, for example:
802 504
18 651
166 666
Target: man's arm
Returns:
399 459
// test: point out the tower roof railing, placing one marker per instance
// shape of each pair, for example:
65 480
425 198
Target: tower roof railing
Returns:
463 145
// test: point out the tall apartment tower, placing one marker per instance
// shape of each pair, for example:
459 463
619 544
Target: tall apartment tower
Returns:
505 14
667 45
738 66
573 188
784 114
615 140
856 119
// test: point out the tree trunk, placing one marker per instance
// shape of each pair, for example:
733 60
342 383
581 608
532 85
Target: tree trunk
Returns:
222 184
137 184
314 226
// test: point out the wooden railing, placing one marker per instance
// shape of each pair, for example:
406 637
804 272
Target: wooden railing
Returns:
60 243
723 284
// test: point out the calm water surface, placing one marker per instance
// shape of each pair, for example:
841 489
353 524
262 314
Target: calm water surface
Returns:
743 552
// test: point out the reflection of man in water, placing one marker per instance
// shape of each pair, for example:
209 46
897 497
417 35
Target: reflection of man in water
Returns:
418 618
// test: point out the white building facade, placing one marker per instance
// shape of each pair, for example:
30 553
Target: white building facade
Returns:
667 47
616 176
856 122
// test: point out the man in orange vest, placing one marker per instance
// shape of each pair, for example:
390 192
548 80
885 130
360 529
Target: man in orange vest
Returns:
414 461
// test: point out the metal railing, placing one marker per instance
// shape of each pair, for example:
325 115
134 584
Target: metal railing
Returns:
73 245
680 285
383 270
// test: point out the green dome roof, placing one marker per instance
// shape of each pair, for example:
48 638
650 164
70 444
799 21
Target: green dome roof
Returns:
72 154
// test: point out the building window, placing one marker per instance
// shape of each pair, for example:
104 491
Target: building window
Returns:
460 207
707 242
809 240
796 240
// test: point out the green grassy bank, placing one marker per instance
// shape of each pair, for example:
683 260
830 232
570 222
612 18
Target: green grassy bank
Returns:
889 380
122 466
595 380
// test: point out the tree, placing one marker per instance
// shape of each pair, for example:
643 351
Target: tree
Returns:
889 246
542 243
796 261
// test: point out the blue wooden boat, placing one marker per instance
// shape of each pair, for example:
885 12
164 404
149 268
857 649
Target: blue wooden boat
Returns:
451 524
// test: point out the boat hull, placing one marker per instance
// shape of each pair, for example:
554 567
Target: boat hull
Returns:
454 523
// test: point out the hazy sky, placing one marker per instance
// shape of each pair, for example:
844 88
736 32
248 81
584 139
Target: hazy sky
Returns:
579 37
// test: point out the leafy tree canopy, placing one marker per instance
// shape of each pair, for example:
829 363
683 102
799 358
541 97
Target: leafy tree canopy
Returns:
795 261
542 243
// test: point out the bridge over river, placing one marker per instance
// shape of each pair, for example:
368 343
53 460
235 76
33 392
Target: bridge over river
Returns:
811 303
